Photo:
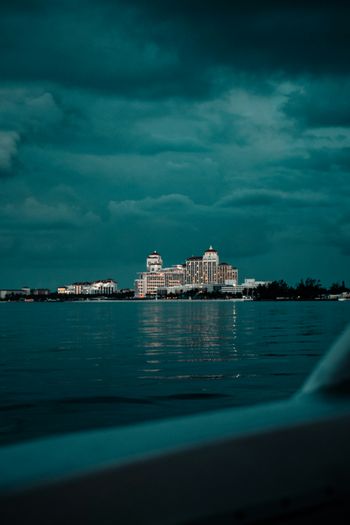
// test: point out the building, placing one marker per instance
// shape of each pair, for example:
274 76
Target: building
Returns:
197 272
40 291
155 277
210 266
194 270
104 287
175 275
245 288
203 269
227 274
4 294
101 287
154 262
208 269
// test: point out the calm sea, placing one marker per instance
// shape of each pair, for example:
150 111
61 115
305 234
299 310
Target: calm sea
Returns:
74 366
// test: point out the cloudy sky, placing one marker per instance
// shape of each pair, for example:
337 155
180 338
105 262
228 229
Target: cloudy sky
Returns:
135 125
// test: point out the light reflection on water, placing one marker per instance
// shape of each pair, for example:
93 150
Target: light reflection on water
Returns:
77 365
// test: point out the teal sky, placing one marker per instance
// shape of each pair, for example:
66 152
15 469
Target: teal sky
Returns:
130 126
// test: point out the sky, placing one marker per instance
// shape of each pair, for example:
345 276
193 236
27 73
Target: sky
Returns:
138 125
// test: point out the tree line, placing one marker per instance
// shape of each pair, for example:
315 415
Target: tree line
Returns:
307 289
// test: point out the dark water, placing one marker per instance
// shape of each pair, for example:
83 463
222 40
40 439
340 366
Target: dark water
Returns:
73 366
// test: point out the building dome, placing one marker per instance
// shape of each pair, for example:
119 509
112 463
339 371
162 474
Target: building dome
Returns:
154 262
211 255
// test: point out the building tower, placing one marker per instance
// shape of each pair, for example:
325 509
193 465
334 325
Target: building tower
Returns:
210 265
154 262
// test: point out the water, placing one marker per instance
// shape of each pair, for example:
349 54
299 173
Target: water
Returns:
75 366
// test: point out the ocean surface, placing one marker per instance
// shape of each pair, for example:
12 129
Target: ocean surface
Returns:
75 366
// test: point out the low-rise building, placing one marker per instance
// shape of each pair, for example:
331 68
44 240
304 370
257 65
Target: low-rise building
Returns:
101 287
4 294
39 291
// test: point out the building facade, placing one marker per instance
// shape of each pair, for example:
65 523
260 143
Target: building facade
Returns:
227 274
155 277
197 271
101 287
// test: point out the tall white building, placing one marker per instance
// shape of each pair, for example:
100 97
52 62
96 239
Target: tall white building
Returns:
203 270
197 271
154 262
194 270
208 269
148 282
210 266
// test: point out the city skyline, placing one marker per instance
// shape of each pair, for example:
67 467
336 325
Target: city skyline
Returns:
93 277
132 124
196 271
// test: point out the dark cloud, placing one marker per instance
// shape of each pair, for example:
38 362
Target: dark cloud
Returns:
9 141
321 104
272 198
258 36
325 159
127 126
156 49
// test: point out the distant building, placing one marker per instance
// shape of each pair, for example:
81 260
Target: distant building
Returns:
253 283
4 294
62 289
247 286
149 282
39 291
194 270
208 269
210 266
154 262
175 275
198 271
101 287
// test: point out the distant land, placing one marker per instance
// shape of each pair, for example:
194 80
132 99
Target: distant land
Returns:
305 290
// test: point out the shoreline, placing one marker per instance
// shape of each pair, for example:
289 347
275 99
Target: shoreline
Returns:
182 300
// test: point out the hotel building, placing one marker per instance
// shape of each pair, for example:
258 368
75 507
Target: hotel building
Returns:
196 272
101 287
148 283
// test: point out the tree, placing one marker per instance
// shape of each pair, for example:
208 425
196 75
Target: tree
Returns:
337 288
309 289
273 290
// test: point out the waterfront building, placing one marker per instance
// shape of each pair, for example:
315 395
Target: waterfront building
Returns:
101 287
154 262
227 274
210 266
248 286
62 290
39 291
175 275
194 270
253 283
197 272
148 283
208 269
4 294
104 286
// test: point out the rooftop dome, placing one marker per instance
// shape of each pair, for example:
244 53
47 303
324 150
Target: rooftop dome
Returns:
211 249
